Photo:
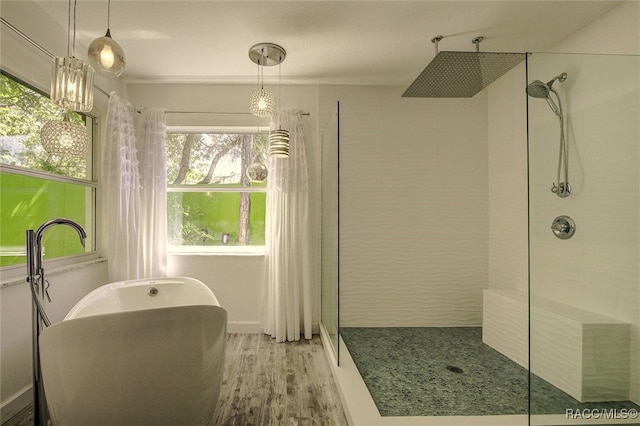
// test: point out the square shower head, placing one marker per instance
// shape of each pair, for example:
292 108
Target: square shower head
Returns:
461 74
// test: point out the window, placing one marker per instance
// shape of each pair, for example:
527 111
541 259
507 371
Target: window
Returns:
34 186
212 205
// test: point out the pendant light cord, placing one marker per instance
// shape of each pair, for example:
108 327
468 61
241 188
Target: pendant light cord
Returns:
280 85
108 14
259 69
71 51
73 48
69 29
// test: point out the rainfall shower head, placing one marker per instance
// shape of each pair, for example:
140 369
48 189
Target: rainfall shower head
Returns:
461 74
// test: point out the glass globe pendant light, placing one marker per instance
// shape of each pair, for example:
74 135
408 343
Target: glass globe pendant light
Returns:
257 172
64 138
262 102
105 55
71 78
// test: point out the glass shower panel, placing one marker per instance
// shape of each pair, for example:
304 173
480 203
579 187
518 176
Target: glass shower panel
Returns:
584 238
330 230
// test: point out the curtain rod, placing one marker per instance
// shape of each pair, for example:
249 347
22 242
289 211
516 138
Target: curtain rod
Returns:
100 89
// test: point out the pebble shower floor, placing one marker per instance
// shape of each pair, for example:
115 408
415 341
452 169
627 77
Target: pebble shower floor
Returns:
448 371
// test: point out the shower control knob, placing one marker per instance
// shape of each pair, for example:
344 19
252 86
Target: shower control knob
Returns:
563 227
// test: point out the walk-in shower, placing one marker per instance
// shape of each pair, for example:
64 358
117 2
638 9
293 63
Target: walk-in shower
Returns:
457 300
538 89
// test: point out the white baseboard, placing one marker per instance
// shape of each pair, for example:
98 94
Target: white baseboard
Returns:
244 327
15 403
253 327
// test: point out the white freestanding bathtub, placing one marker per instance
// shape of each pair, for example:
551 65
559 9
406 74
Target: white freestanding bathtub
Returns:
141 352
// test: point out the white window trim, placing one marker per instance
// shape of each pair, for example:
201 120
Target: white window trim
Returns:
193 250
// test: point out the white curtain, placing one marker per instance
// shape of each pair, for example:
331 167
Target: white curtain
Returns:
287 310
153 197
136 245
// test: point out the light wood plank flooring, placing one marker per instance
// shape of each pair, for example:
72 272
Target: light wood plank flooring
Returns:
269 383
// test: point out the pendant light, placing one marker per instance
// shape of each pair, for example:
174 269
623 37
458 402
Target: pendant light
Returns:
72 89
279 143
64 138
262 102
105 55
257 172
71 78
279 139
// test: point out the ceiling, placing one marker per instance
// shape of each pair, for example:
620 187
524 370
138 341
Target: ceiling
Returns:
332 42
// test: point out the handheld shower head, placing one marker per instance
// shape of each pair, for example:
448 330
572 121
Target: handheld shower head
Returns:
538 89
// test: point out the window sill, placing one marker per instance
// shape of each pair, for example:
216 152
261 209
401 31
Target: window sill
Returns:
13 275
215 251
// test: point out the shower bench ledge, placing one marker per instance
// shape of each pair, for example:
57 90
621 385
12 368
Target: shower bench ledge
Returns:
583 353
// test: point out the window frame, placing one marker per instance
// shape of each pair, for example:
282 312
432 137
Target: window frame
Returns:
223 250
10 272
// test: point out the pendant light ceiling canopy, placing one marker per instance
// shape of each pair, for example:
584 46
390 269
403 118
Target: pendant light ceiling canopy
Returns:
262 102
105 55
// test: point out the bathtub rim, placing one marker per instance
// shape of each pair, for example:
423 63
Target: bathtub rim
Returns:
84 307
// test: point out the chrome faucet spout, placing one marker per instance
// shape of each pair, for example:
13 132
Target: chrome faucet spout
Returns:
40 232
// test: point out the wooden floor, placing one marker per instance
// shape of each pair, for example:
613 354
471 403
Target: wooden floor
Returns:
268 383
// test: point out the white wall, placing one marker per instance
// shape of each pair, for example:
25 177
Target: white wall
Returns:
596 270
237 281
413 207
507 141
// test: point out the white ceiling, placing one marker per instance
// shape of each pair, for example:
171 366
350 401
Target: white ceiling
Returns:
334 42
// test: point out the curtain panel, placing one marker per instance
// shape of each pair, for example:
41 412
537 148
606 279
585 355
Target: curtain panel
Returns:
287 310
133 192
152 130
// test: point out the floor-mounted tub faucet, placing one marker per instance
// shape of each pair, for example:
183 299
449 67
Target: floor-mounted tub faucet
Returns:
35 255
38 284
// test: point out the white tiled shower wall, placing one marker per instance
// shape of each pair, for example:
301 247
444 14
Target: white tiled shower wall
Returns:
598 269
